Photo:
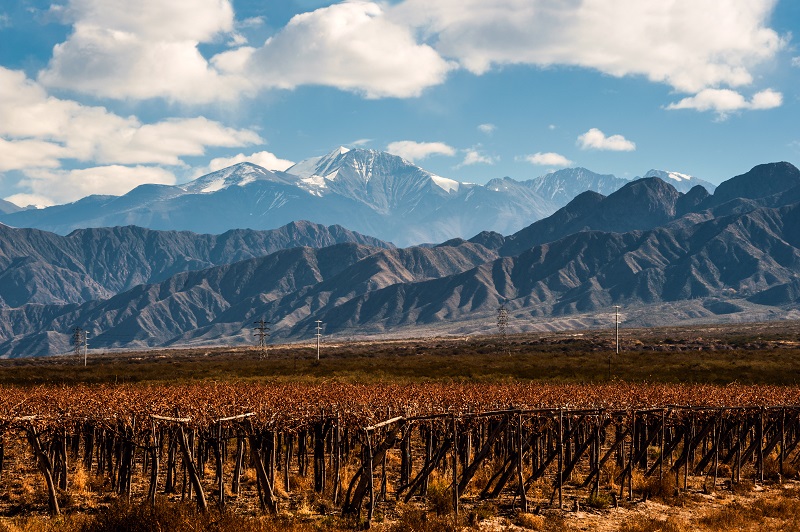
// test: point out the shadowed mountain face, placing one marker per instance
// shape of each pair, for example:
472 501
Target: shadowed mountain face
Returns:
299 280
762 181
41 267
644 246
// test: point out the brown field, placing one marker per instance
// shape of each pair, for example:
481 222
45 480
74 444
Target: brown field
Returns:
427 381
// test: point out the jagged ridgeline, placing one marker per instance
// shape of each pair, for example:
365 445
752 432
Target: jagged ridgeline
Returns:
368 191
727 256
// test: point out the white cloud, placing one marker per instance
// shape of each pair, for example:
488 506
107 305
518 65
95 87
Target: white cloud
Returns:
686 44
796 61
725 101
551 127
359 142
547 159
487 128
414 151
594 139
351 46
17 155
60 186
63 129
151 51
475 156
265 159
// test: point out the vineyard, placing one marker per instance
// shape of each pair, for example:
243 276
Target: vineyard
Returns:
358 449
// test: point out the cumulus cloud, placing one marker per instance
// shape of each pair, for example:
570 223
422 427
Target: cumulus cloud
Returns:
487 128
547 159
725 101
685 44
150 51
796 61
415 151
64 129
352 46
266 159
59 186
475 156
20 154
115 53
594 139
38 132
398 50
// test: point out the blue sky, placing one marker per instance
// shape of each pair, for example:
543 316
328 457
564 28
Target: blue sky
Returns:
99 96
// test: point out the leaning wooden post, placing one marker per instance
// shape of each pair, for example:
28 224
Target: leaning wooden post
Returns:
663 437
370 479
560 459
760 437
455 466
630 456
522 495
46 467
337 459
191 470
151 495
597 446
782 455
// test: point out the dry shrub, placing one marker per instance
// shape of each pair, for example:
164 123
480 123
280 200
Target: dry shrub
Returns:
413 519
79 480
643 523
440 496
599 501
541 489
609 473
530 521
663 489
182 518
482 512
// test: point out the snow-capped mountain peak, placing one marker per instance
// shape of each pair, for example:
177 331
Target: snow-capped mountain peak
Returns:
682 182
240 174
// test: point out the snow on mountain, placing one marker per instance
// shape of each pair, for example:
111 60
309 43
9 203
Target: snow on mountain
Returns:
682 182
238 175
448 185
563 185
369 191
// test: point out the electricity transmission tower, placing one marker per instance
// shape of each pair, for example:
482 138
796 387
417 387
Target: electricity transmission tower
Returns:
261 332
80 338
319 335
502 324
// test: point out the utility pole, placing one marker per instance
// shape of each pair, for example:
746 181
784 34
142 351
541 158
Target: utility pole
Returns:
616 325
85 347
261 332
319 335
502 324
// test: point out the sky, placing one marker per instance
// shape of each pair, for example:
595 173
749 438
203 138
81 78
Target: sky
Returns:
100 96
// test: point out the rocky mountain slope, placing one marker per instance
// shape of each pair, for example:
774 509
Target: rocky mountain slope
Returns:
226 299
41 267
645 246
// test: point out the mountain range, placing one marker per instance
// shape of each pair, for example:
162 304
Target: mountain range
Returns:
664 255
367 191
